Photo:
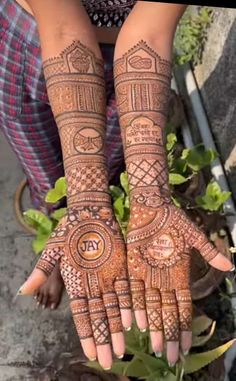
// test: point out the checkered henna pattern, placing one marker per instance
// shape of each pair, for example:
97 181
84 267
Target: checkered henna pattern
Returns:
88 242
160 236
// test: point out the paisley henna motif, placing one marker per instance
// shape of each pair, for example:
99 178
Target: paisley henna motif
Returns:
88 243
160 236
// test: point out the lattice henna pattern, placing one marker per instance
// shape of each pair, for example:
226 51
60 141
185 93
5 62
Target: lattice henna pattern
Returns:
160 236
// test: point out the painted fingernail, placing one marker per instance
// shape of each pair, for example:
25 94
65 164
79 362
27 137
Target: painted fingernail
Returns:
233 269
127 329
143 330
186 353
93 359
120 357
158 354
53 306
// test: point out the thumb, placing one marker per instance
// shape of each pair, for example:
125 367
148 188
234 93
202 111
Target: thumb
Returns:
209 252
42 270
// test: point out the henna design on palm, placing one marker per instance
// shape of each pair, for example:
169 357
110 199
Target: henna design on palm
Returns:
160 236
91 252
160 239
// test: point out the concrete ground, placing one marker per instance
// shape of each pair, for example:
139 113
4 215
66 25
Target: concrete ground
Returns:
30 338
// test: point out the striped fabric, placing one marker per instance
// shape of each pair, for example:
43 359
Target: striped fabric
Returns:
25 114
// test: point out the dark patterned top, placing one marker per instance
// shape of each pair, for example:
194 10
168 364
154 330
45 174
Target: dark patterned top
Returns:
108 12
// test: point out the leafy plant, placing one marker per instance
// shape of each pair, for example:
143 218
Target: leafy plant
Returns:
214 198
141 363
191 35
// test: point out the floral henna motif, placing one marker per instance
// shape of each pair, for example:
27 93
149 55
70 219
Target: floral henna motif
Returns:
160 236
88 242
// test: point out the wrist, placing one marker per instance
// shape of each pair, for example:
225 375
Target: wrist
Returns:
150 196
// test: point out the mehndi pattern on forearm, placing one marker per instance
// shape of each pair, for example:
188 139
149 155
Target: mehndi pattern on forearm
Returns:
76 89
142 80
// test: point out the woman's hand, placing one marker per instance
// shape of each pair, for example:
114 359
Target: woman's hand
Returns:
160 239
90 250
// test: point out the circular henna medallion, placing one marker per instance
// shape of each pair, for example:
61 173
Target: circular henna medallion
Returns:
89 246
164 251
88 140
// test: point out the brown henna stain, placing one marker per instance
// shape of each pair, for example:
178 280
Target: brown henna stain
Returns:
88 243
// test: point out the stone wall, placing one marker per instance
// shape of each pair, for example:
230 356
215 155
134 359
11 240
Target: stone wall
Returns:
216 78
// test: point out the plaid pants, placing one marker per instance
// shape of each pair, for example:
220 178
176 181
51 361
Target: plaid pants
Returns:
25 114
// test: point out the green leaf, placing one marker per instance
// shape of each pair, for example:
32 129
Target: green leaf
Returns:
177 179
40 242
136 368
58 192
59 213
198 361
124 182
198 157
201 324
203 339
176 202
38 220
214 198
115 192
171 141
119 206
153 364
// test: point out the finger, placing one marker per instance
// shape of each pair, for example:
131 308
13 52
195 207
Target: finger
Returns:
114 320
44 300
153 305
80 312
139 306
171 325
100 328
42 270
210 253
186 342
185 319
124 297
39 299
172 352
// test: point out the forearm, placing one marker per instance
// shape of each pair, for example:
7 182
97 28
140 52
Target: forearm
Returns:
142 82
74 75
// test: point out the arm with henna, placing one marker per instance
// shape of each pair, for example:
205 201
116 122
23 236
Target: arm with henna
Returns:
88 243
160 236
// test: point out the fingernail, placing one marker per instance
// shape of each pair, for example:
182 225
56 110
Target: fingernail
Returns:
53 306
143 330
171 365
35 297
120 357
158 354
43 306
93 359
233 269
19 292
107 368
186 353
127 329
